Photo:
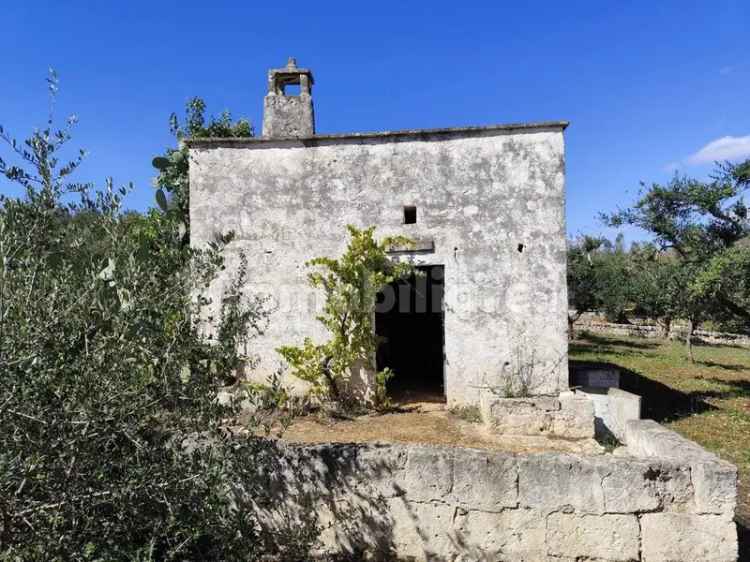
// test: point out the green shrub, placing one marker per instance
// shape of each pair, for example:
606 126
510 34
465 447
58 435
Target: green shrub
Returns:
106 377
351 285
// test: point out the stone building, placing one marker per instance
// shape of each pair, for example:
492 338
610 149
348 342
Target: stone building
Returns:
486 208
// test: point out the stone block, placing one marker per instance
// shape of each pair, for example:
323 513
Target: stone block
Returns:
715 486
420 531
626 488
518 416
355 523
630 486
553 482
379 467
427 474
537 423
575 420
485 480
514 535
613 408
570 416
714 481
676 537
599 537
647 438
625 406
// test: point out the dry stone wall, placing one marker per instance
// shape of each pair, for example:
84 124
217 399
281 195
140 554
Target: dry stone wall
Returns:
415 502
591 324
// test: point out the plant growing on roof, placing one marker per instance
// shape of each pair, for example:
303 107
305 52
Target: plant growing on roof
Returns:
351 284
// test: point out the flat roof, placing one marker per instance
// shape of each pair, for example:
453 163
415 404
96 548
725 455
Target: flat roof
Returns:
416 133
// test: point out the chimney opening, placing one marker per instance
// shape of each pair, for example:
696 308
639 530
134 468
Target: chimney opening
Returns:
292 89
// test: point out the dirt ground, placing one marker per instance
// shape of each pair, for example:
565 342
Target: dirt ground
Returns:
427 423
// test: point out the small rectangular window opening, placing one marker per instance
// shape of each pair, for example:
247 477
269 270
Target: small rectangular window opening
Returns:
410 214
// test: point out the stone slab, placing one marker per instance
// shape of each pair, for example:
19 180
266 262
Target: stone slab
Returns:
593 537
672 537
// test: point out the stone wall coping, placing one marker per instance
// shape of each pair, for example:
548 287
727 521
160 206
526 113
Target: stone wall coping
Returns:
384 136
647 438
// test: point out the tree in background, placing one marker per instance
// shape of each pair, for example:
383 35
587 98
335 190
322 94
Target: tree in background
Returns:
702 223
600 278
614 280
106 378
725 280
582 279
655 285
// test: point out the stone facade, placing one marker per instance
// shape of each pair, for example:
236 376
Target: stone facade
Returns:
490 209
423 503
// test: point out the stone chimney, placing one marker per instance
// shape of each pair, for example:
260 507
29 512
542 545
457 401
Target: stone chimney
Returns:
288 114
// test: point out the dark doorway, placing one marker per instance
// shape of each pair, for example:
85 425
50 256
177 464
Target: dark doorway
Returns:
409 319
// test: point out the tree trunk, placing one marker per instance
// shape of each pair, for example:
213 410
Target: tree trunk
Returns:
689 340
666 326
332 386
571 328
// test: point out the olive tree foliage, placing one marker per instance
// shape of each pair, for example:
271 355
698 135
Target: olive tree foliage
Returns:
582 279
600 278
105 377
642 281
701 222
656 285
351 285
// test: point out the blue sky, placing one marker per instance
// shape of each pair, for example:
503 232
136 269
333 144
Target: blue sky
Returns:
648 87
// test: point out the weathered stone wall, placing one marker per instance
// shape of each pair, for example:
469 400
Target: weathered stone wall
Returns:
491 199
288 116
432 503
592 324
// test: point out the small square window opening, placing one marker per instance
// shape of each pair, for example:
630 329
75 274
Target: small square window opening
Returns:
410 214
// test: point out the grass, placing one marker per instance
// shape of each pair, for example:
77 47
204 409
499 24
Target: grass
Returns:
707 401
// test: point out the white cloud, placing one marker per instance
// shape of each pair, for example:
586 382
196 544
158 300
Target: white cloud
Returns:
724 148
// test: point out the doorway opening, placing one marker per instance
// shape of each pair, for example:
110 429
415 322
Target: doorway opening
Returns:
409 320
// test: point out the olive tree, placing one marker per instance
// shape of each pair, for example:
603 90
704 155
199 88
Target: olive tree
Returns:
114 445
701 222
